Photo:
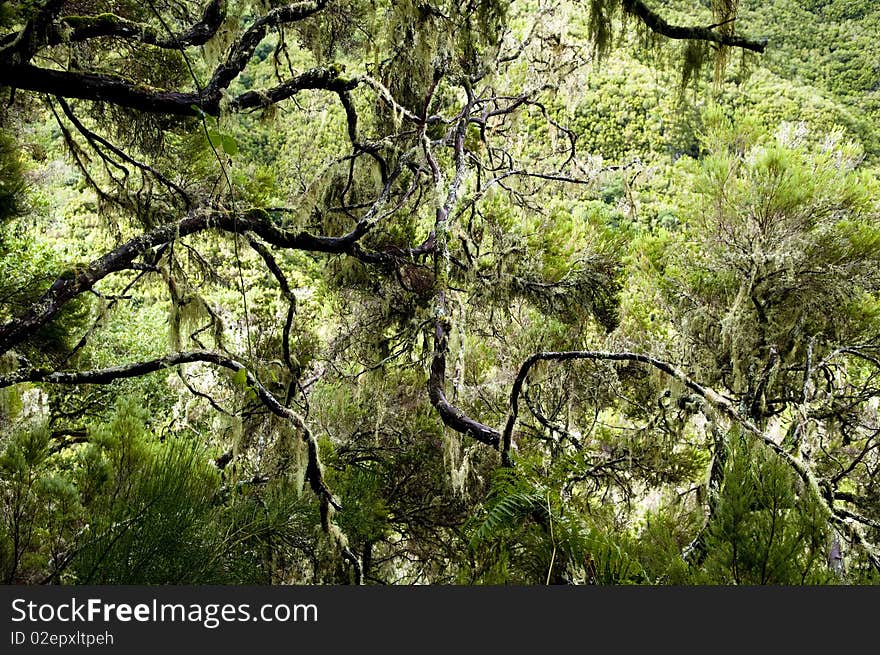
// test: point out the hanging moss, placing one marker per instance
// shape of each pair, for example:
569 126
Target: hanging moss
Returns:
12 184
694 57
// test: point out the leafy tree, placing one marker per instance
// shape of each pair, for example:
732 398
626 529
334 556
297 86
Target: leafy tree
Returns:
358 248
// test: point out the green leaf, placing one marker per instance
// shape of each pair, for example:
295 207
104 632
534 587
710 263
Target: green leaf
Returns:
240 377
230 147
215 138
225 141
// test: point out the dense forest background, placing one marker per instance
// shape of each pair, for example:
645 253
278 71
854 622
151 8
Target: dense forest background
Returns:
350 291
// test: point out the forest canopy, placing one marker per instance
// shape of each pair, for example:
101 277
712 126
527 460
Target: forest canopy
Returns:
531 292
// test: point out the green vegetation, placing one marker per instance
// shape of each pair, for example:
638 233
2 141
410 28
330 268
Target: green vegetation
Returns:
447 292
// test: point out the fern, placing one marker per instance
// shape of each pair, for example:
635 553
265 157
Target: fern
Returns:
511 499
506 514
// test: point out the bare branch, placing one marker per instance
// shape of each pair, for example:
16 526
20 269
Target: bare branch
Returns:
92 137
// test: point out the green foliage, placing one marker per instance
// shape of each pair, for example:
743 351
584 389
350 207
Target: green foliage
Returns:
684 231
511 501
148 513
32 497
666 533
366 516
8 13
525 536
27 266
773 257
127 509
626 112
767 529
12 183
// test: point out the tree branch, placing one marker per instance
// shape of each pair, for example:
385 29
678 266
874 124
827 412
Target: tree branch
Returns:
242 50
823 495
72 283
93 137
118 91
115 90
314 471
658 25
451 415
316 78
83 28
21 46
104 88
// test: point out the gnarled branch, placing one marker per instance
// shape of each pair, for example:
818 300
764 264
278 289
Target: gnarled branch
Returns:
73 283
720 403
657 24
18 73
452 416
71 29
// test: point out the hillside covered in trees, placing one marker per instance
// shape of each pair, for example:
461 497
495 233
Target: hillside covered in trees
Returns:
480 292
